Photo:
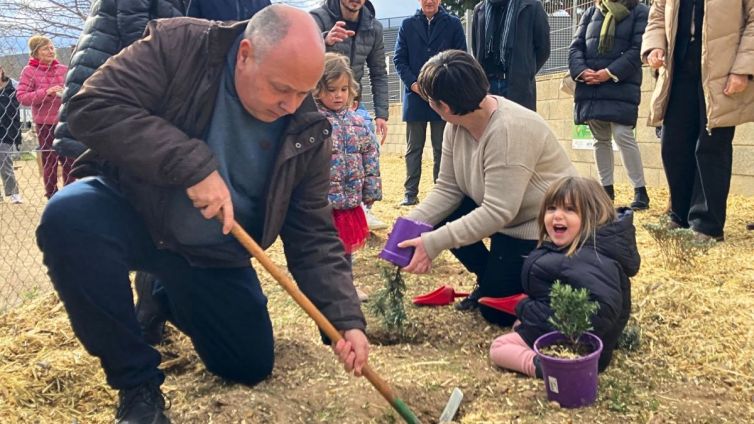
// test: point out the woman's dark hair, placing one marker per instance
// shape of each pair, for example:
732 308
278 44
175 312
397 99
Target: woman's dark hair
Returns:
456 78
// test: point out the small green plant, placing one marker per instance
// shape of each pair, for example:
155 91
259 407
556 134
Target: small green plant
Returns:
572 312
387 303
680 247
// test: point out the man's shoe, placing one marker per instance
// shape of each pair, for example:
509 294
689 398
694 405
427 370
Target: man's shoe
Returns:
148 312
16 199
409 201
143 404
373 222
750 226
469 303
641 199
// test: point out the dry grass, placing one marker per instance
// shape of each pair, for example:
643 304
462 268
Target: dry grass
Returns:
695 362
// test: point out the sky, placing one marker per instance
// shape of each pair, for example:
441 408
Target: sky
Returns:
393 8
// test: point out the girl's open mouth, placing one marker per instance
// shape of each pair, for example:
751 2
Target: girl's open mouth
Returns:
559 228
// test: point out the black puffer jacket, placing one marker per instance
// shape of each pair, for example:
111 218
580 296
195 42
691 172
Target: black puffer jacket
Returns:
10 122
602 266
367 47
111 26
610 101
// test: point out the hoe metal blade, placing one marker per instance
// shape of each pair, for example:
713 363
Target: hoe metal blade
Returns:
452 406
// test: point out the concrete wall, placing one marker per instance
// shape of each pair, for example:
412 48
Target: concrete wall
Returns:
557 109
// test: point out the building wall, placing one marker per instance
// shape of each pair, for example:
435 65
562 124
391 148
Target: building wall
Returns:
557 109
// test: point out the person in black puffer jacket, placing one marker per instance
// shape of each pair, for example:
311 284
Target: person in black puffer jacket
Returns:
604 61
225 10
585 244
111 26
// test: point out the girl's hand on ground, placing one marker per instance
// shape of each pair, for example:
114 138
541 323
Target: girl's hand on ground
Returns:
420 262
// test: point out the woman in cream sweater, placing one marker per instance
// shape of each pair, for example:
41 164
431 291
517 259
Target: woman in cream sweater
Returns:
498 159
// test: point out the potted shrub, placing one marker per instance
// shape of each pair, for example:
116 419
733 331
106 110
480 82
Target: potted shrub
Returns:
570 355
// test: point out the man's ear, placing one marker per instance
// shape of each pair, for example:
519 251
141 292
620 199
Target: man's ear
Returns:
245 52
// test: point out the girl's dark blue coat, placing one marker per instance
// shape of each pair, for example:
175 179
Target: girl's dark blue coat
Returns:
602 266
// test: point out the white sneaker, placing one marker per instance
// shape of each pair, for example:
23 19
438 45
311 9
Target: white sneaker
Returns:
16 199
373 222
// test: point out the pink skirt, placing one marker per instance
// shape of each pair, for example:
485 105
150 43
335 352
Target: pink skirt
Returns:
352 228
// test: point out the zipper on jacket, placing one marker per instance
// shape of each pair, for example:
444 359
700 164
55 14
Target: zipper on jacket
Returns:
352 56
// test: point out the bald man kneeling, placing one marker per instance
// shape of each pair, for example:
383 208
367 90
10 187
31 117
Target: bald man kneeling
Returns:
195 120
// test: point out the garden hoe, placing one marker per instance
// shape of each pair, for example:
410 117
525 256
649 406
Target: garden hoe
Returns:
324 324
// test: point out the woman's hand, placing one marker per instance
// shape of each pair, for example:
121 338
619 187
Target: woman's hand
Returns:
596 77
54 90
736 83
656 58
420 262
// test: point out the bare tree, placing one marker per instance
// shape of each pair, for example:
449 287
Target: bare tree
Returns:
58 19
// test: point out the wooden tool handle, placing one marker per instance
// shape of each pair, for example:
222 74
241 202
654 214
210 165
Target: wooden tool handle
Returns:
322 322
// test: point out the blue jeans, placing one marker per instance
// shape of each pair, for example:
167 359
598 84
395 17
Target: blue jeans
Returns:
499 87
91 238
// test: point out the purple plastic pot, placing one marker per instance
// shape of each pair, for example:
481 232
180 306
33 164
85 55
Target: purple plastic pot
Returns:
403 229
570 382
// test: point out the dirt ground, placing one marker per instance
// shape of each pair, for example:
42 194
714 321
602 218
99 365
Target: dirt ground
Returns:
695 363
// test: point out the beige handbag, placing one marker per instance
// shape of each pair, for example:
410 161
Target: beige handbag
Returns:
568 85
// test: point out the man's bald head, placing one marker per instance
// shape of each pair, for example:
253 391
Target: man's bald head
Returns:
279 61
273 27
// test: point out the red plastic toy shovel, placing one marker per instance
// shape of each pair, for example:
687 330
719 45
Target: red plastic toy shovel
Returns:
506 304
444 295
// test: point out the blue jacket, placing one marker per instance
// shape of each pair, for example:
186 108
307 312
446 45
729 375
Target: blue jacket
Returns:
225 10
418 41
610 101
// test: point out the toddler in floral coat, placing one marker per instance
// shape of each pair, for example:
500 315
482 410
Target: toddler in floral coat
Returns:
355 164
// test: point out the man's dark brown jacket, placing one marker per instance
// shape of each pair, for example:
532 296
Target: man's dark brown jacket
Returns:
143 115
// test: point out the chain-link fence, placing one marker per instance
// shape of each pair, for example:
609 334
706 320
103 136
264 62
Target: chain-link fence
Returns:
30 111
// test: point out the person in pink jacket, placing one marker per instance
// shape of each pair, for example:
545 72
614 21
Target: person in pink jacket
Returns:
40 87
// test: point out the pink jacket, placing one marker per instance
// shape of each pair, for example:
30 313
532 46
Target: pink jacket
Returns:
35 79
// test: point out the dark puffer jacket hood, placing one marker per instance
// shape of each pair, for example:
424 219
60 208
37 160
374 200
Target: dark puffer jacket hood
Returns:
111 27
618 241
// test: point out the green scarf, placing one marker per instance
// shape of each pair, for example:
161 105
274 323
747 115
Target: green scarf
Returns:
614 11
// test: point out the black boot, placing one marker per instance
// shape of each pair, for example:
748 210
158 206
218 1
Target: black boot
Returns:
143 404
470 302
537 367
148 311
641 199
610 191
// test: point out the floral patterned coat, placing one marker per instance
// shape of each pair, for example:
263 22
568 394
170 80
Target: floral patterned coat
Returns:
355 163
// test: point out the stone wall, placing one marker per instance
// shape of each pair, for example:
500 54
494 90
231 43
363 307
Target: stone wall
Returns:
557 109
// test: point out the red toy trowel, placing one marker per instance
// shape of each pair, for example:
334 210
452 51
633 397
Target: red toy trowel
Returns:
506 304
444 295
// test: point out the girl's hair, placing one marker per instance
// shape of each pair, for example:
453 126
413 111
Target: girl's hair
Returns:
36 42
592 204
337 65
